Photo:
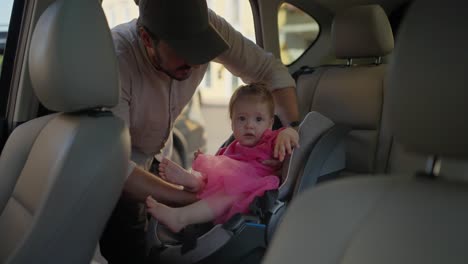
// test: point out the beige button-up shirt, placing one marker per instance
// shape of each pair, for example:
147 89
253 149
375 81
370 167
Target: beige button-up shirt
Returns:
150 101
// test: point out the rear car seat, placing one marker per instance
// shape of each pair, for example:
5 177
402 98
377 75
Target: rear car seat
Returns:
353 94
246 236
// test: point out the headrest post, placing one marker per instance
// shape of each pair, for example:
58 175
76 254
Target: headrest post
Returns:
433 165
378 60
349 62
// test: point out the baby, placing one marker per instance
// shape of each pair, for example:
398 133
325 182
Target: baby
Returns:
229 181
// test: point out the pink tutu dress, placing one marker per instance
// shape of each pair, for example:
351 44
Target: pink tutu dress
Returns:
238 171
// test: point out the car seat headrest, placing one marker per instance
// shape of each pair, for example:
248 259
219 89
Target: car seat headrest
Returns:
428 82
362 32
72 61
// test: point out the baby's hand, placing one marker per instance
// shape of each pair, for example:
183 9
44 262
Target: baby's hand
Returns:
285 142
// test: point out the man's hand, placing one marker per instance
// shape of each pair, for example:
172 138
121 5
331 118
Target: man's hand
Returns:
285 142
195 155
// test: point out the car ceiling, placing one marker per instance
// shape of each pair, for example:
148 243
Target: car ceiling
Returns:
336 5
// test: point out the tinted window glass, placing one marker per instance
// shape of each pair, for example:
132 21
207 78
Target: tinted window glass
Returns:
219 83
5 14
297 32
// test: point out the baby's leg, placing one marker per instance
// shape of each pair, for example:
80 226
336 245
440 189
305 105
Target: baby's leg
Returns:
178 218
172 172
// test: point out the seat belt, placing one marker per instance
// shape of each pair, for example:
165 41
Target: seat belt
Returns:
309 69
319 155
302 70
261 206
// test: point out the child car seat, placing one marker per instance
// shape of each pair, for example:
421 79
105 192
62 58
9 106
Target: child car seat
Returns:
244 237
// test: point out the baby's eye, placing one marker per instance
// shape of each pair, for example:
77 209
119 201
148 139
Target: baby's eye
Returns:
241 118
259 119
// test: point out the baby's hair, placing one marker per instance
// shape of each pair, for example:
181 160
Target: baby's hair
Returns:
254 90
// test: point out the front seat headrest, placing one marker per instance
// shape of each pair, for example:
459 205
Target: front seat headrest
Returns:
362 32
72 61
428 80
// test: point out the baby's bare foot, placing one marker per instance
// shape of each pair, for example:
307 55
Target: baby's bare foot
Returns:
168 216
172 172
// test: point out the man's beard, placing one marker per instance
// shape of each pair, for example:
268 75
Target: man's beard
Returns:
157 63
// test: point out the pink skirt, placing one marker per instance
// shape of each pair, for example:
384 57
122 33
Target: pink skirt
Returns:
244 180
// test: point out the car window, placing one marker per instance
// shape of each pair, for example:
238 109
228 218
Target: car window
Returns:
297 32
119 11
11 19
5 14
218 83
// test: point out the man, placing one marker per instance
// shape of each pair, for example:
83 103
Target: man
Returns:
163 57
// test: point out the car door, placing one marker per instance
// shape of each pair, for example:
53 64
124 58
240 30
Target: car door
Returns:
10 24
17 101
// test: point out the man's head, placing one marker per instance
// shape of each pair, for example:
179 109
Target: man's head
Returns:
178 35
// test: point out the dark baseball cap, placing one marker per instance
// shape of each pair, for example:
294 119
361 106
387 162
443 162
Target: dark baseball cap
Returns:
185 26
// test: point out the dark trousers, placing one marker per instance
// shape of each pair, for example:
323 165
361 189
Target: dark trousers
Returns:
123 240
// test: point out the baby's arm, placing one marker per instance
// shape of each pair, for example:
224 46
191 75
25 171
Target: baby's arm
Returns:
286 140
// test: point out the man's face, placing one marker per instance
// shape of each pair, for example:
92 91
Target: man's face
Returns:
165 59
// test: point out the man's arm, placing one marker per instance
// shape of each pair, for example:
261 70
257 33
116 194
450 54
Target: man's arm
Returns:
251 63
286 105
141 183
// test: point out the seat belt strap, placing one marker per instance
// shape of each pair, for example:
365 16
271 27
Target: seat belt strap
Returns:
301 71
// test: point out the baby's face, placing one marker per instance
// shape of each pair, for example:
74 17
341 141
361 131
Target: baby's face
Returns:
249 120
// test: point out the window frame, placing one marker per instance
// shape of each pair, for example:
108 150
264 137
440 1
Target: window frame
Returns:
12 59
10 54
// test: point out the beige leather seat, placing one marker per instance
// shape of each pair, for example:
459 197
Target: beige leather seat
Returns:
62 174
401 218
353 95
